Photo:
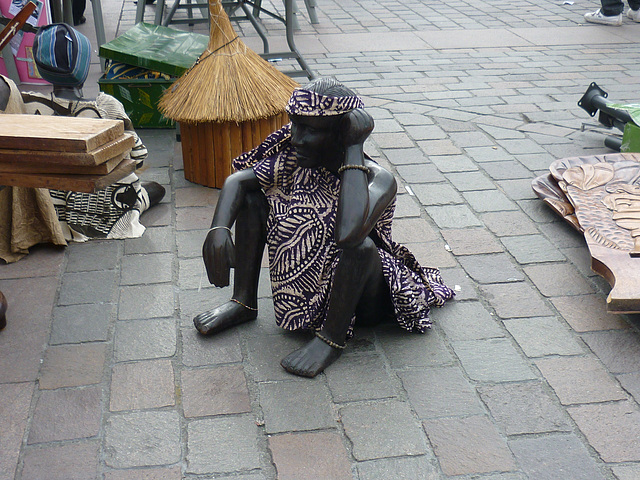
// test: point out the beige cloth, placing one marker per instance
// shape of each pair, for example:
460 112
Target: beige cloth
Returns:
27 215
15 103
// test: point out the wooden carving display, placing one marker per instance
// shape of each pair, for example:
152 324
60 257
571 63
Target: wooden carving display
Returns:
600 196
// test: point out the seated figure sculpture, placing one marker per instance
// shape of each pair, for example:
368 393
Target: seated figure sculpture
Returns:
324 211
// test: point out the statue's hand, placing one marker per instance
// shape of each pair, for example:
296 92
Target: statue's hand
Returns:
357 125
219 255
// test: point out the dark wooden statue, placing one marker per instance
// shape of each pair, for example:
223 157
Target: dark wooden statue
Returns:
324 210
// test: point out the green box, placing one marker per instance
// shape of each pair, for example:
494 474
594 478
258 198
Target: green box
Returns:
157 48
152 47
140 98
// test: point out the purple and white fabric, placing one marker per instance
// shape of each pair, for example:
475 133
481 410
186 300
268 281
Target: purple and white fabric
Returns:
311 104
302 252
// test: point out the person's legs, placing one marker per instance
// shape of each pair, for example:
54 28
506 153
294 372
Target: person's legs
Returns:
634 10
611 7
77 8
250 240
358 286
609 14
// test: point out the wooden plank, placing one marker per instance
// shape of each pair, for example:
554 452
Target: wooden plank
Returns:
247 139
236 143
76 183
265 128
256 138
57 133
206 154
224 161
116 148
186 136
51 168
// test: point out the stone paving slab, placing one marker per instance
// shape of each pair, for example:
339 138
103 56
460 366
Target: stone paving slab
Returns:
73 365
308 455
74 461
383 429
525 376
142 438
548 457
471 445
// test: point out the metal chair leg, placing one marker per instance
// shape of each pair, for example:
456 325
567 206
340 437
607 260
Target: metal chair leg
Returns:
294 15
258 27
171 13
159 12
290 41
96 7
140 11
311 10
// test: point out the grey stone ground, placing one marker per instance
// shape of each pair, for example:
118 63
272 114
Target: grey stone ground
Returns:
524 376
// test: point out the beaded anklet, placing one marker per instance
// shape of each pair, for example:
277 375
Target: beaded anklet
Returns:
329 342
363 168
245 306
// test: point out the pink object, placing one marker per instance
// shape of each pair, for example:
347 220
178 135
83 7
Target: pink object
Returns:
27 70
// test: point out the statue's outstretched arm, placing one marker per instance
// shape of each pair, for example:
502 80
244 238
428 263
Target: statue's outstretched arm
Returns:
218 250
366 188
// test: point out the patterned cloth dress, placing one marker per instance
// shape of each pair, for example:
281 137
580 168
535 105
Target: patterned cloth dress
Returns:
303 255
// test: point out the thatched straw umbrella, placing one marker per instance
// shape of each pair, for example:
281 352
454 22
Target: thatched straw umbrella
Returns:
226 103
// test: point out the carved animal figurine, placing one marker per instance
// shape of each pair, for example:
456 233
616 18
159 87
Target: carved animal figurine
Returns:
324 211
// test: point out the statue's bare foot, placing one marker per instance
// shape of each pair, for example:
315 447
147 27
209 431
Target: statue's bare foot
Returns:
311 359
227 315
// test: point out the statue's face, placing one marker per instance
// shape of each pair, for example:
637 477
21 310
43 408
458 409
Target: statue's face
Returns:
316 141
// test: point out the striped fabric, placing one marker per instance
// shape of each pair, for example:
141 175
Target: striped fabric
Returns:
311 104
62 55
122 71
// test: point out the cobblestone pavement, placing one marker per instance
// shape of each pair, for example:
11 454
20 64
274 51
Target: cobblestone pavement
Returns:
524 376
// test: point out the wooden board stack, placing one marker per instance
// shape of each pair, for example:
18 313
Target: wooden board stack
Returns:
65 153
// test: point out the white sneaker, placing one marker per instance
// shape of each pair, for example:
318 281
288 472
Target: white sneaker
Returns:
634 15
598 17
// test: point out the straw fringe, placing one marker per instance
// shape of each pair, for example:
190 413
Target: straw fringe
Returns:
228 83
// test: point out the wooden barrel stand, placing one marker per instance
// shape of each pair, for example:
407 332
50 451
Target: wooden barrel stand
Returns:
209 148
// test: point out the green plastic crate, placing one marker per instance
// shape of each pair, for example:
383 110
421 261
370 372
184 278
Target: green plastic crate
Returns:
140 99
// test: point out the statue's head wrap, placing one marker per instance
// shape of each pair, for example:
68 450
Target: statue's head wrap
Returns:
323 97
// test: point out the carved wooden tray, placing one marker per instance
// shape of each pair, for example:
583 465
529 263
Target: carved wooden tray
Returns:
600 196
